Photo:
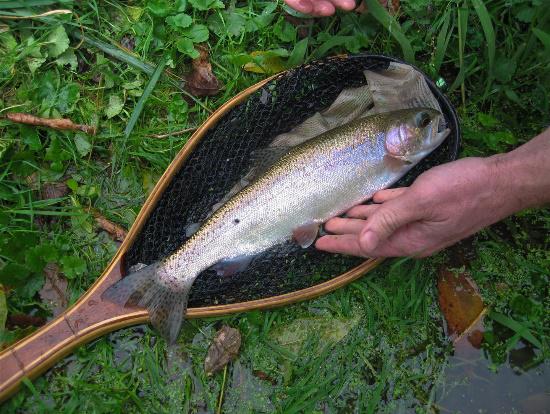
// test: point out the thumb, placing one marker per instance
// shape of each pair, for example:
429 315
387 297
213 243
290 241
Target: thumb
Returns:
385 220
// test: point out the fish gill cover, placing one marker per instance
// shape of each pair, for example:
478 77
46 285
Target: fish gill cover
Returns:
223 157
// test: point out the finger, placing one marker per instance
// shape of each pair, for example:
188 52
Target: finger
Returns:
323 8
303 6
389 217
339 225
344 4
344 244
362 211
389 194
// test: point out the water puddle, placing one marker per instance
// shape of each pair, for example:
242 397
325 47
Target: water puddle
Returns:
518 383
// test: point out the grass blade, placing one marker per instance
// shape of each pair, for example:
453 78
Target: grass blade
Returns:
144 96
489 31
26 3
115 52
462 15
297 57
516 327
392 26
442 41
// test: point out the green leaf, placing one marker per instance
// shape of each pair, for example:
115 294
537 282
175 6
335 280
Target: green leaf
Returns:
488 30
67 98
67 58
30 137
114 107
34 63
392 26
185 46
526 14
487 120
55 151
144 96
505 69
58 41
297 57
73 266
206 4
14 274
82 144
197 33
516 327
31 286
543 37
159 7
285 31
179 20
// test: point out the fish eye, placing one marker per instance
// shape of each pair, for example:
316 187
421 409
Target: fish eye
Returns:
422 120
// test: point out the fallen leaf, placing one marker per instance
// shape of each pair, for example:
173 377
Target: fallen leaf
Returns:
128 42
461 304
116 231
54 123
201 81
54 292
224 348
328 330
265 62
263 376
302 25
24 321
54 190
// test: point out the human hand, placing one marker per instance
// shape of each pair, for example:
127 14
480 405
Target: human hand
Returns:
320 7
444 205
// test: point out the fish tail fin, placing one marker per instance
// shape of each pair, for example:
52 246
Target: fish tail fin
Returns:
143 288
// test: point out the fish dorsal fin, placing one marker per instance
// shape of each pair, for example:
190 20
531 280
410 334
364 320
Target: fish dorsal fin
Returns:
262 159
305 235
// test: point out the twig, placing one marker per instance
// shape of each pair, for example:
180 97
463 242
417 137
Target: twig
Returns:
55 123
220 401
116 231
170 134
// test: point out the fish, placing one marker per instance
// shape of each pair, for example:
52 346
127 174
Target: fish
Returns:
295 191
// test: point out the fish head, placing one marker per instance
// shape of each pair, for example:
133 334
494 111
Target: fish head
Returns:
413 134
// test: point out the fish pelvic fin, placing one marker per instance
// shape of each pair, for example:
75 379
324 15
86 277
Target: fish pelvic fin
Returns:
143 288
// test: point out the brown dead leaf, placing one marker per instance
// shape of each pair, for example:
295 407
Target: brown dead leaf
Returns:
55 123
201 81
224 348
461 304
116 231
20 320
54 190
302 25
264 377
54 292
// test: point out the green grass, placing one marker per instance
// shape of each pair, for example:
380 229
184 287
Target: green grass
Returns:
376 345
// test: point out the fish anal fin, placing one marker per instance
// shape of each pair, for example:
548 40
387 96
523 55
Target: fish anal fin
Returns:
305 235
231 266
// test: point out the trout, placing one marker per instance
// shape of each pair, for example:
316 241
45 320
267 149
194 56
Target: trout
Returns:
309 184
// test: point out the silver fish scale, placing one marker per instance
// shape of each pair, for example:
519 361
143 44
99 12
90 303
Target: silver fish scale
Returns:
315 181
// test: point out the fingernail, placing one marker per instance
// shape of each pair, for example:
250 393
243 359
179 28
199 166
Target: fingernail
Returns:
369 241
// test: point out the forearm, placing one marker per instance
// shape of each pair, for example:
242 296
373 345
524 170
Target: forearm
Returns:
521 178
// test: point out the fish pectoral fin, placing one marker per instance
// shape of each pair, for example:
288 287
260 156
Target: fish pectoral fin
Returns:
231 266
305 235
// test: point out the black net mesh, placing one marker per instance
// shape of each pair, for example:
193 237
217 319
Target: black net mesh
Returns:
223 156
